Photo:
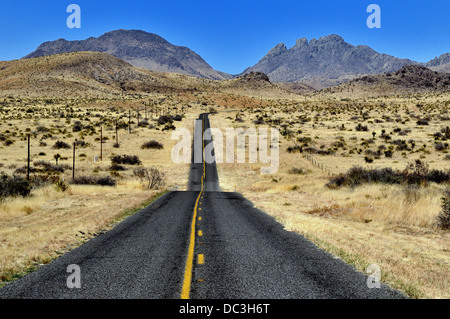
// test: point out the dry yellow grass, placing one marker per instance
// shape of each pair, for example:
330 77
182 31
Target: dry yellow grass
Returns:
34 230
389 225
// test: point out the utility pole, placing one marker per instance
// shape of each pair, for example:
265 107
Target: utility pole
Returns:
117 136
129 121
101 143
73 165
28 160
137 110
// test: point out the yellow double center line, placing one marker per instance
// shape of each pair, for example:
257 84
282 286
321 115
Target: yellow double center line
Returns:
186 289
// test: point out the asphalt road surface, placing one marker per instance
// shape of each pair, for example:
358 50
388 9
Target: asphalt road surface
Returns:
198 244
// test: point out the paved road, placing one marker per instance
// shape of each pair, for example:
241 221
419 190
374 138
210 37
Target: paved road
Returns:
199 244
211 183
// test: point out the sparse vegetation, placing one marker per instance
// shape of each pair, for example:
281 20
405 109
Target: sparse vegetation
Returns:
153 177
126 159
152 145
93 180
61 145
13 186
359 143
416 173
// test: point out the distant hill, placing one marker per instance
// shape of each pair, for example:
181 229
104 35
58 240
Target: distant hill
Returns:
87 74
409 79
328 60
139 48
96 74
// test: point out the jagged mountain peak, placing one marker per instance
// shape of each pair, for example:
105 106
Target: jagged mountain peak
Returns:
329 57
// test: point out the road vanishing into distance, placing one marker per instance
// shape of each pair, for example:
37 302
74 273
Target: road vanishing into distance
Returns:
198 244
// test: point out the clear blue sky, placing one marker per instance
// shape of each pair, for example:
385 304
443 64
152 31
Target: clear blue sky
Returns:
232 35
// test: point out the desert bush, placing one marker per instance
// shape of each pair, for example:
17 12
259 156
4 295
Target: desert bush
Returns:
51 168
93 180
295 149
81 143
441 146
443 219
60 145
117 167
438 176
313 150
388 153
77 127
304 140
297 170
13 186
143 123
416 173
422 122
42 129
41 180
361 128
153 177
164 119
152 145
169 127
401 145
125 159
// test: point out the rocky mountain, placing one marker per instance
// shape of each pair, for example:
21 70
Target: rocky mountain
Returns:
440 64
139 48
409 79
324 59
